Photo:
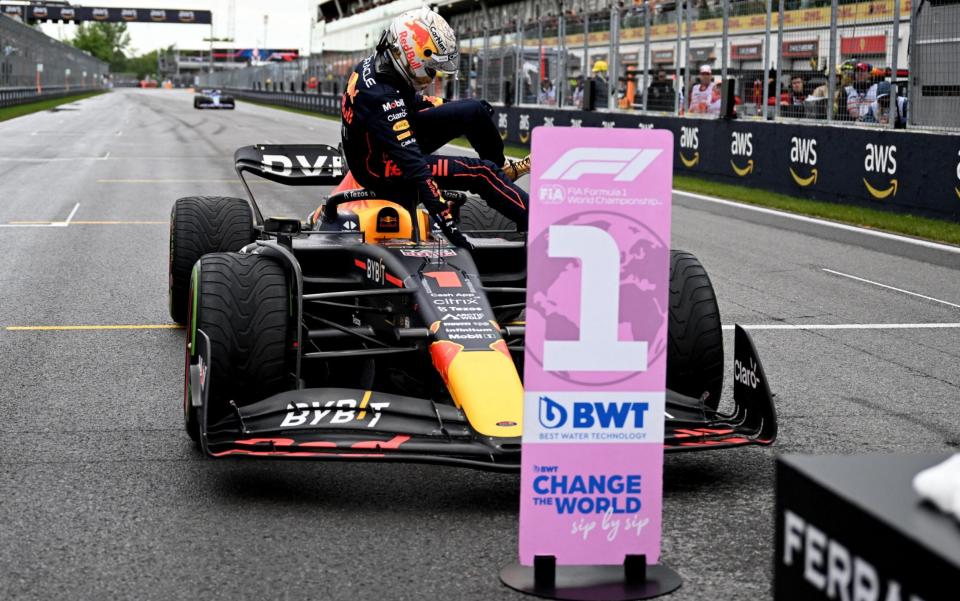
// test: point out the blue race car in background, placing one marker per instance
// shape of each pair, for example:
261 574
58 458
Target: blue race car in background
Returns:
213 99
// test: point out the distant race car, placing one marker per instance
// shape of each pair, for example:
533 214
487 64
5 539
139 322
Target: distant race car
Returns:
213 99
361 334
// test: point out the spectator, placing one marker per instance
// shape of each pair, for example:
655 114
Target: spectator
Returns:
547 94
879 110
577 92
797 91
862 92
660 94
704 97
601 88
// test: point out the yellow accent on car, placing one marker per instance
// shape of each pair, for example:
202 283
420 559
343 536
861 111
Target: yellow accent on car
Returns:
486 386
368 211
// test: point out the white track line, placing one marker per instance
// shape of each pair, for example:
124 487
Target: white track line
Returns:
866 281
840 226
846 326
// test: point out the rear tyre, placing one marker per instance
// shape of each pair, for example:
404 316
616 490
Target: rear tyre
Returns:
201 225
695 339
243 306
477 220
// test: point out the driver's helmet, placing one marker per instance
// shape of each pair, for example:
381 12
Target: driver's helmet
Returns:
420 44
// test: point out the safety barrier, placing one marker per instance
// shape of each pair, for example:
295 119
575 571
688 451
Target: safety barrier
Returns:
905 171
15 96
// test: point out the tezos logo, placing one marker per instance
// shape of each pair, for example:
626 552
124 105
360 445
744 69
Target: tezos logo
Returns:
803 151
586 414
881 159
746 375
626 164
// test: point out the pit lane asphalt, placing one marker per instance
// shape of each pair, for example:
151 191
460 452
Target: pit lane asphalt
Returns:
103 496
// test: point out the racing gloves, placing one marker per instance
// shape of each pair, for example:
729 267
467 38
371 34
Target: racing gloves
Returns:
448 225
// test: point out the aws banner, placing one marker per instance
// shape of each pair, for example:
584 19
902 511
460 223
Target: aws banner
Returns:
904 171
595 358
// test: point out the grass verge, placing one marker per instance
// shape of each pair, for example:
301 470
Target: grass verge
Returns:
897 223
12 112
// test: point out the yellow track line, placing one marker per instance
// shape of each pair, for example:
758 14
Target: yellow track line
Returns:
116 222
159 326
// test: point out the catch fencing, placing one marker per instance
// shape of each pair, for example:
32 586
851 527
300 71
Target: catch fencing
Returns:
30 60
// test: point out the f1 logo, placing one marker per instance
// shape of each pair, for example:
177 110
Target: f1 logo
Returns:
625 163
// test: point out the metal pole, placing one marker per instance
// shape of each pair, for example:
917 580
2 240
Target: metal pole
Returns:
776 84
765 61
210 56
723 47
502 52
676 59
686 67
911 51
831 65
560 81
646 51
485 63
586 45
518 76
613 68
536 87
894 110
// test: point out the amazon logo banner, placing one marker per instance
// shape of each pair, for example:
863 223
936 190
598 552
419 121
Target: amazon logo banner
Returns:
902 171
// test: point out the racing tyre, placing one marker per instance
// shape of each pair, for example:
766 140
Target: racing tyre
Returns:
201 225
243 306
695 340
480 221
196 103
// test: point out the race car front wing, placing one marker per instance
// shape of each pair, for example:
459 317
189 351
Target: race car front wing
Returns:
353 424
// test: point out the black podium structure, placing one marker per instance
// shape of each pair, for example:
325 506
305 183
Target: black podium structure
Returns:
852 527
634 580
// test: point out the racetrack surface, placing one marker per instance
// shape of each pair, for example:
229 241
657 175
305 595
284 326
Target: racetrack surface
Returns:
102 495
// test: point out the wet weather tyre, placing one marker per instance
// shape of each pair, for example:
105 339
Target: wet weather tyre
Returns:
201 225
477 220
695 338
243 306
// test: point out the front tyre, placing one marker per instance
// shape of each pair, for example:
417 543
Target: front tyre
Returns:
201 225
695 339
242 303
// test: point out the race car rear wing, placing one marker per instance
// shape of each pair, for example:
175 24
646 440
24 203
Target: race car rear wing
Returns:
290 165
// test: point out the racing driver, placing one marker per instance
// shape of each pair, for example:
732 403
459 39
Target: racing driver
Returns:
389 129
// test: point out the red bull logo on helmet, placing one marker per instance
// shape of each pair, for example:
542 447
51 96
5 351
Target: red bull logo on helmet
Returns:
421 37
408 50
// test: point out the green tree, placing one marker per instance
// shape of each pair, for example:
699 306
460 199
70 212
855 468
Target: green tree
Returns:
143 65
106 41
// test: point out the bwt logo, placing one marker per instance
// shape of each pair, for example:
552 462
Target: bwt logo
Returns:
585 414
626 164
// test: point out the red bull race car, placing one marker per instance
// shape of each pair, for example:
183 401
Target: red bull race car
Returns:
361 333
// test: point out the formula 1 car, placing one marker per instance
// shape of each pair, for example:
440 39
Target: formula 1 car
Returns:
213 99
332 338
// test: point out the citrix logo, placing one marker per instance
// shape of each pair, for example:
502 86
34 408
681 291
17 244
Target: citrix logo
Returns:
586 414
626 164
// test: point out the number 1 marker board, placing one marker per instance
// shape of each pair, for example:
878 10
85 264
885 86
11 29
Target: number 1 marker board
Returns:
598 261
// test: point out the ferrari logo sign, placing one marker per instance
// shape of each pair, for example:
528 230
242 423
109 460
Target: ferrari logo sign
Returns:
595 367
